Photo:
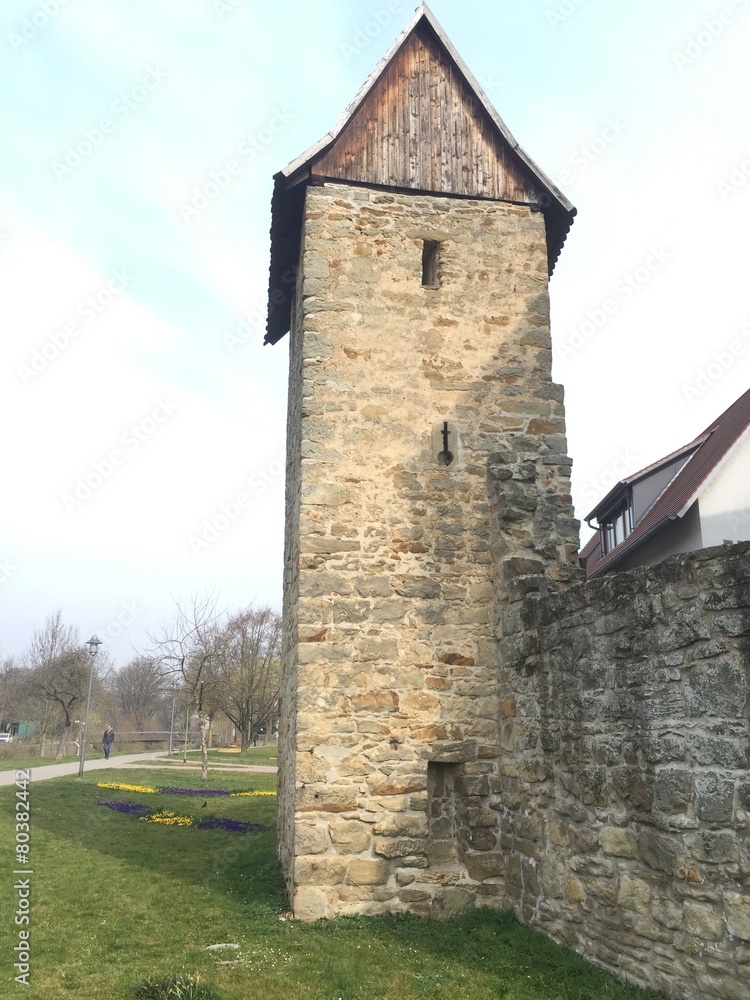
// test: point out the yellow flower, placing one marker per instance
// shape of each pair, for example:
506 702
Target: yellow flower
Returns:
125 788
236 794
167 818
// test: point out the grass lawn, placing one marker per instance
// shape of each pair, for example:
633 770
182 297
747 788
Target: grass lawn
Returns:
255 755
10 763
115 899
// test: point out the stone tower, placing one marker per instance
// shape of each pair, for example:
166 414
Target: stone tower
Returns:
427 481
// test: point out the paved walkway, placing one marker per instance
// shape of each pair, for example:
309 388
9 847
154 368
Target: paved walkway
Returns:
57 770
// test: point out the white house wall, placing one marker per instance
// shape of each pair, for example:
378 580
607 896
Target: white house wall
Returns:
680 535
725 502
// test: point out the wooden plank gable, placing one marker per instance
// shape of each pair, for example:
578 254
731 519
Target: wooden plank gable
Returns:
421 122
422 128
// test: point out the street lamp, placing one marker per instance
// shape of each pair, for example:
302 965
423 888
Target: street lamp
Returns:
93 645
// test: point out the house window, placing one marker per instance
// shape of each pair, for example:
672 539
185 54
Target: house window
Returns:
615 527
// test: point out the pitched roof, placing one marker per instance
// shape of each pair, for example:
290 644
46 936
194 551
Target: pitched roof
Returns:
707 453
420 122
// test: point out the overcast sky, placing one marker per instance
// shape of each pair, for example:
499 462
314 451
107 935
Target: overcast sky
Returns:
141 138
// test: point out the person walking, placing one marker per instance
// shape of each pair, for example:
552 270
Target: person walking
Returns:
107 740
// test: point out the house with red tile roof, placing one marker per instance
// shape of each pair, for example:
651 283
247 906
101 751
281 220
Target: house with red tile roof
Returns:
693 498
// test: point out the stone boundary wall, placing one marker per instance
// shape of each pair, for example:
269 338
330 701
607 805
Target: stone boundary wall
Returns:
624 791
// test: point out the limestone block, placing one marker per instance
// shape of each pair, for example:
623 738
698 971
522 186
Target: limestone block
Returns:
529 827
574 891
634 894
414 895
350 837
362 872
424 588
737 909
603 892
703 922
714 798
397 784
722 987
673 791
375 701
400 848
416 702
319 870
310 769
404 878
481 817
596 867
453 752
668 914
719 688
618 842
402 825
663 853
393 803
326 798
452 902
310 903
310 839
372 650
325 494
376 586
481 866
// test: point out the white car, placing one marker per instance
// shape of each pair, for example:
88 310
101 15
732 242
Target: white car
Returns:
5 738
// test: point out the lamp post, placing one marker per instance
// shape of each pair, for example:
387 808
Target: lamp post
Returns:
171 724
93 645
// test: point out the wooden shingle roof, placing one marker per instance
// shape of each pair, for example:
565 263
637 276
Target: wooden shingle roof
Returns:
421 122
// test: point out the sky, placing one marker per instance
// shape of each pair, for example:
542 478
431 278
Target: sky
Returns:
144 421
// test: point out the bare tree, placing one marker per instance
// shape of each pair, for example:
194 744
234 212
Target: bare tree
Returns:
247 670
22 701
59 669
9 690
139 689
186 648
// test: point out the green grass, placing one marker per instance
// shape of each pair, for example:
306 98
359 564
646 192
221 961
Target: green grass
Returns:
10 763
117 901
255 755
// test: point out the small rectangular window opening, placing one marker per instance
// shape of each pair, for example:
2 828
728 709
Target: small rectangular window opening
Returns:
430 260
441 805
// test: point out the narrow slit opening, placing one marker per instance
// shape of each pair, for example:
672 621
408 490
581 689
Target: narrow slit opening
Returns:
430 255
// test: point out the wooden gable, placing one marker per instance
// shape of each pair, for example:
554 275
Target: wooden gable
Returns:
421 123
421 127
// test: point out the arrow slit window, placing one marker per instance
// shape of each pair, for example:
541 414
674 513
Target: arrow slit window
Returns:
431 264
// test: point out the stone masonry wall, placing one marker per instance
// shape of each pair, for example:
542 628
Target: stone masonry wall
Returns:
288 689
623 784
390 743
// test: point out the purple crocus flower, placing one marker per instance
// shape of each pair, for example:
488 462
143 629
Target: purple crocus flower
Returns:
233 825
122 807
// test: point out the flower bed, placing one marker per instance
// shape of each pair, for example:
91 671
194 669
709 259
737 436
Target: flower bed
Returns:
205 792
122 807
125 788
166 817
